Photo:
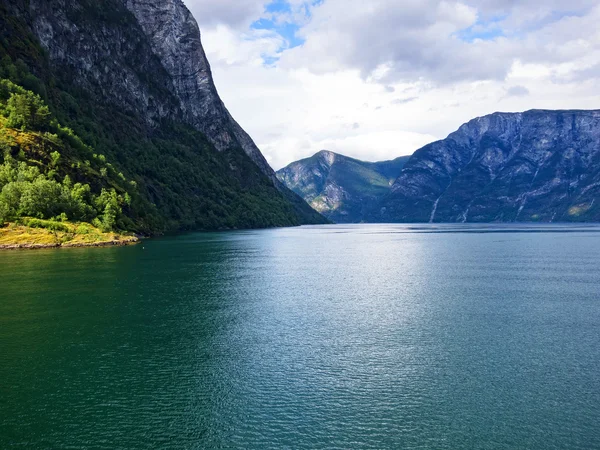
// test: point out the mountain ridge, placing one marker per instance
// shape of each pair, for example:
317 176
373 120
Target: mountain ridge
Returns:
537 165
340 187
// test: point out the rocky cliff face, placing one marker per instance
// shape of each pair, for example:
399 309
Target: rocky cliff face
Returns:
341 188
533 166
163 76
175 38
101 50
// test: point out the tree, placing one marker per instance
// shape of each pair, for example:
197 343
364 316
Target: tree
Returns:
76 201
10 198
4 212
41 199
27 111
55 156
108 203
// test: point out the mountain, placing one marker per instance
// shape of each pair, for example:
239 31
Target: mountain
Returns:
132 103
342 189
541 166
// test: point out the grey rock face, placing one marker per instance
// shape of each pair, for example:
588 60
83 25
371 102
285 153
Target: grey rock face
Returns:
110 59
175 38
308 177
147 58
533 166
341 188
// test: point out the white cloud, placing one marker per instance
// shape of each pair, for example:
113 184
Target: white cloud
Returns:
405 72
234 13
517 91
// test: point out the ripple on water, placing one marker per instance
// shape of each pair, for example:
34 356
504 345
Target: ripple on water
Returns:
363 336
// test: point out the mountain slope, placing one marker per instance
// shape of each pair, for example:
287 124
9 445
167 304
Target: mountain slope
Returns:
174 36
341 188
130 78
506 167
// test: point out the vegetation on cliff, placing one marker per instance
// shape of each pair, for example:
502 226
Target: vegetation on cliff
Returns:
43 173
68 154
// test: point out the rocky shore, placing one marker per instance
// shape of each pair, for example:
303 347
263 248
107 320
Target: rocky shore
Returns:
16 237
117 242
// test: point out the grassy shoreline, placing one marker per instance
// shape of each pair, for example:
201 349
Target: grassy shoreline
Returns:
14 236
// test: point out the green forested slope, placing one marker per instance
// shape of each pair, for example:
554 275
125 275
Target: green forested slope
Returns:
98 162
49 173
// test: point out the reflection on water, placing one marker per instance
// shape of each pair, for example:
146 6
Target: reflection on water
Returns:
380 336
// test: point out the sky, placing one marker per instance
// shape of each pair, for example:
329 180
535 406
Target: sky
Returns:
379 79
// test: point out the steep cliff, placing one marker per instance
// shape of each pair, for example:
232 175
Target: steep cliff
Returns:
532 166
131 78
174 37
342 189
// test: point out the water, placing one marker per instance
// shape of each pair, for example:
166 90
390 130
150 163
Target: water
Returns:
372 336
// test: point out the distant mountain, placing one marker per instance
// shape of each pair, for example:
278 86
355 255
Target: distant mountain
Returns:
538 165
343 189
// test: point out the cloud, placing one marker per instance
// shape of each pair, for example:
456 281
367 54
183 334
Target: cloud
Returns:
406 72
402 101
388 43
517 91
439 41
235 13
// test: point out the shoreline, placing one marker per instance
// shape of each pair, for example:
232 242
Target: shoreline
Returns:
60 235
31 246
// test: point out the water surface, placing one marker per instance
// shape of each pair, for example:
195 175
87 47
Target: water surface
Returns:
367 336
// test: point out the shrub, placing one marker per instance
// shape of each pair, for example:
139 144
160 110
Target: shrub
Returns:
83 229
46 224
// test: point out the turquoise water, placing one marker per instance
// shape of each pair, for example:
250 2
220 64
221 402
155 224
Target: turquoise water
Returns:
368 336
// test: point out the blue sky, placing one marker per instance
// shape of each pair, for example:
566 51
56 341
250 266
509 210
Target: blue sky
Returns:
281 18
494 27
483 29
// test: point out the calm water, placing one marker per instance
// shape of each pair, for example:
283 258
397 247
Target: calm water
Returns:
318 337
